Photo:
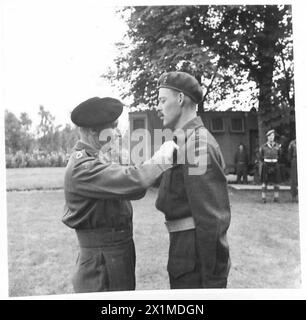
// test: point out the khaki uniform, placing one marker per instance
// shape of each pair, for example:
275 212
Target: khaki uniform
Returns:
241 161
292 154
98 208
199 254
270 171
269 155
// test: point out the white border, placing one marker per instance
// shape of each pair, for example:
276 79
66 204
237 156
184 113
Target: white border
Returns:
299 62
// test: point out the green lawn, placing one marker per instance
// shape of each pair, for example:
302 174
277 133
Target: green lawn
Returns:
264 242
45 178
34 178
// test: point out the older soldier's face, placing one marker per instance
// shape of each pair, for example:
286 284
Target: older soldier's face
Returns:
169 107
110 134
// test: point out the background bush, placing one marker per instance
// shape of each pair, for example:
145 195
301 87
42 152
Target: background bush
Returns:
36 159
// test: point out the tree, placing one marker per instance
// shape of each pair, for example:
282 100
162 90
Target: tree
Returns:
49 138
27 139
13 133
45 129
68 138
223 46
46 122
25 121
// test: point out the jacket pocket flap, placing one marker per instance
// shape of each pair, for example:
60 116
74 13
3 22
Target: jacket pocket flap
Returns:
179 267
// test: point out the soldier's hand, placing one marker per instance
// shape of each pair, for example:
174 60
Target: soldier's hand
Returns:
165 153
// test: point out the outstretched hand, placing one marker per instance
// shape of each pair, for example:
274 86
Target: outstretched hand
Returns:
164 155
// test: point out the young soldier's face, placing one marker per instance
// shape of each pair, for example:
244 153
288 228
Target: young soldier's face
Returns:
169 107
271 137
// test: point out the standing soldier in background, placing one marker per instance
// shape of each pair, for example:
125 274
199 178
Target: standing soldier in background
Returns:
269 156
292 157
241 162
193 195
97 194
257 167
283 160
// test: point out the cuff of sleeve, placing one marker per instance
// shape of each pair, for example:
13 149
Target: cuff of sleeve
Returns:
159 166
165 167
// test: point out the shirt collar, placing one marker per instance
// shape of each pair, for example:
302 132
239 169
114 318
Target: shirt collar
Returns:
270 145
182 134
81 145
193 123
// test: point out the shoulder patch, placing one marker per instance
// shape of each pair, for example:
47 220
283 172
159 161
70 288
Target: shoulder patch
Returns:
87 164
78 154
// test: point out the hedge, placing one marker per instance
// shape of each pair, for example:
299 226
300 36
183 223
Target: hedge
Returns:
36 159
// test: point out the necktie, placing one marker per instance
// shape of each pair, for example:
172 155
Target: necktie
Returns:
175 151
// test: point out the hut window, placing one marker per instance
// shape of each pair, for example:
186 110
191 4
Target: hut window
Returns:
217 125
139 123
237 125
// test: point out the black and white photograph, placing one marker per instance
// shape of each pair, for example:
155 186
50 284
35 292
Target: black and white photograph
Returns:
152 149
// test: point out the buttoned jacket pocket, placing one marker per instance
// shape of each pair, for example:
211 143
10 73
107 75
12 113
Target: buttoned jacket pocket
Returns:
182 253
180 267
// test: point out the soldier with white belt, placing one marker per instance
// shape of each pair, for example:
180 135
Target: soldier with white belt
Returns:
269 156
193 195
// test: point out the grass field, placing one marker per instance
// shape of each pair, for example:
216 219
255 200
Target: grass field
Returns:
264 240
34 178
45 178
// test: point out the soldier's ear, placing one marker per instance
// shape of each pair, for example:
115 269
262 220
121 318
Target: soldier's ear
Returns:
93 132
181 97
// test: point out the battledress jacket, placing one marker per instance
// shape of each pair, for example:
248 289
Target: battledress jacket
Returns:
270 170
271 152
205 197
97 194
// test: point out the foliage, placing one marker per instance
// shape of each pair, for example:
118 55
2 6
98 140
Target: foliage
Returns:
25 121
50 147
36 159
48 138
17 135
222 46
12 132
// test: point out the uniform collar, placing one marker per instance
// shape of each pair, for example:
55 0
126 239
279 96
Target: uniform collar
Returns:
271 145
191 124
81 145
182 134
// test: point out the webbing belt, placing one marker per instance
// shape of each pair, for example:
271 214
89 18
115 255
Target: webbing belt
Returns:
270 160
90 238
180 224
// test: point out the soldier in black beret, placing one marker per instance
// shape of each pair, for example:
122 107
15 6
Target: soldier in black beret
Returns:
193 195
98 195
270 172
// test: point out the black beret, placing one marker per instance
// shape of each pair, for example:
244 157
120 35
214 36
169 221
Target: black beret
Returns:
96 112
270 132
184 82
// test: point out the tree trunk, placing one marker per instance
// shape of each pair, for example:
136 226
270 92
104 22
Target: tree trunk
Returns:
267 49
265 102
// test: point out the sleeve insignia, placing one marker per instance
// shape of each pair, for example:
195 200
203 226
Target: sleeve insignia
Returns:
79 155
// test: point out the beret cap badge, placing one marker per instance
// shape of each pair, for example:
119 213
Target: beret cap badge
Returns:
182 82
269 132
78 155
165 79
